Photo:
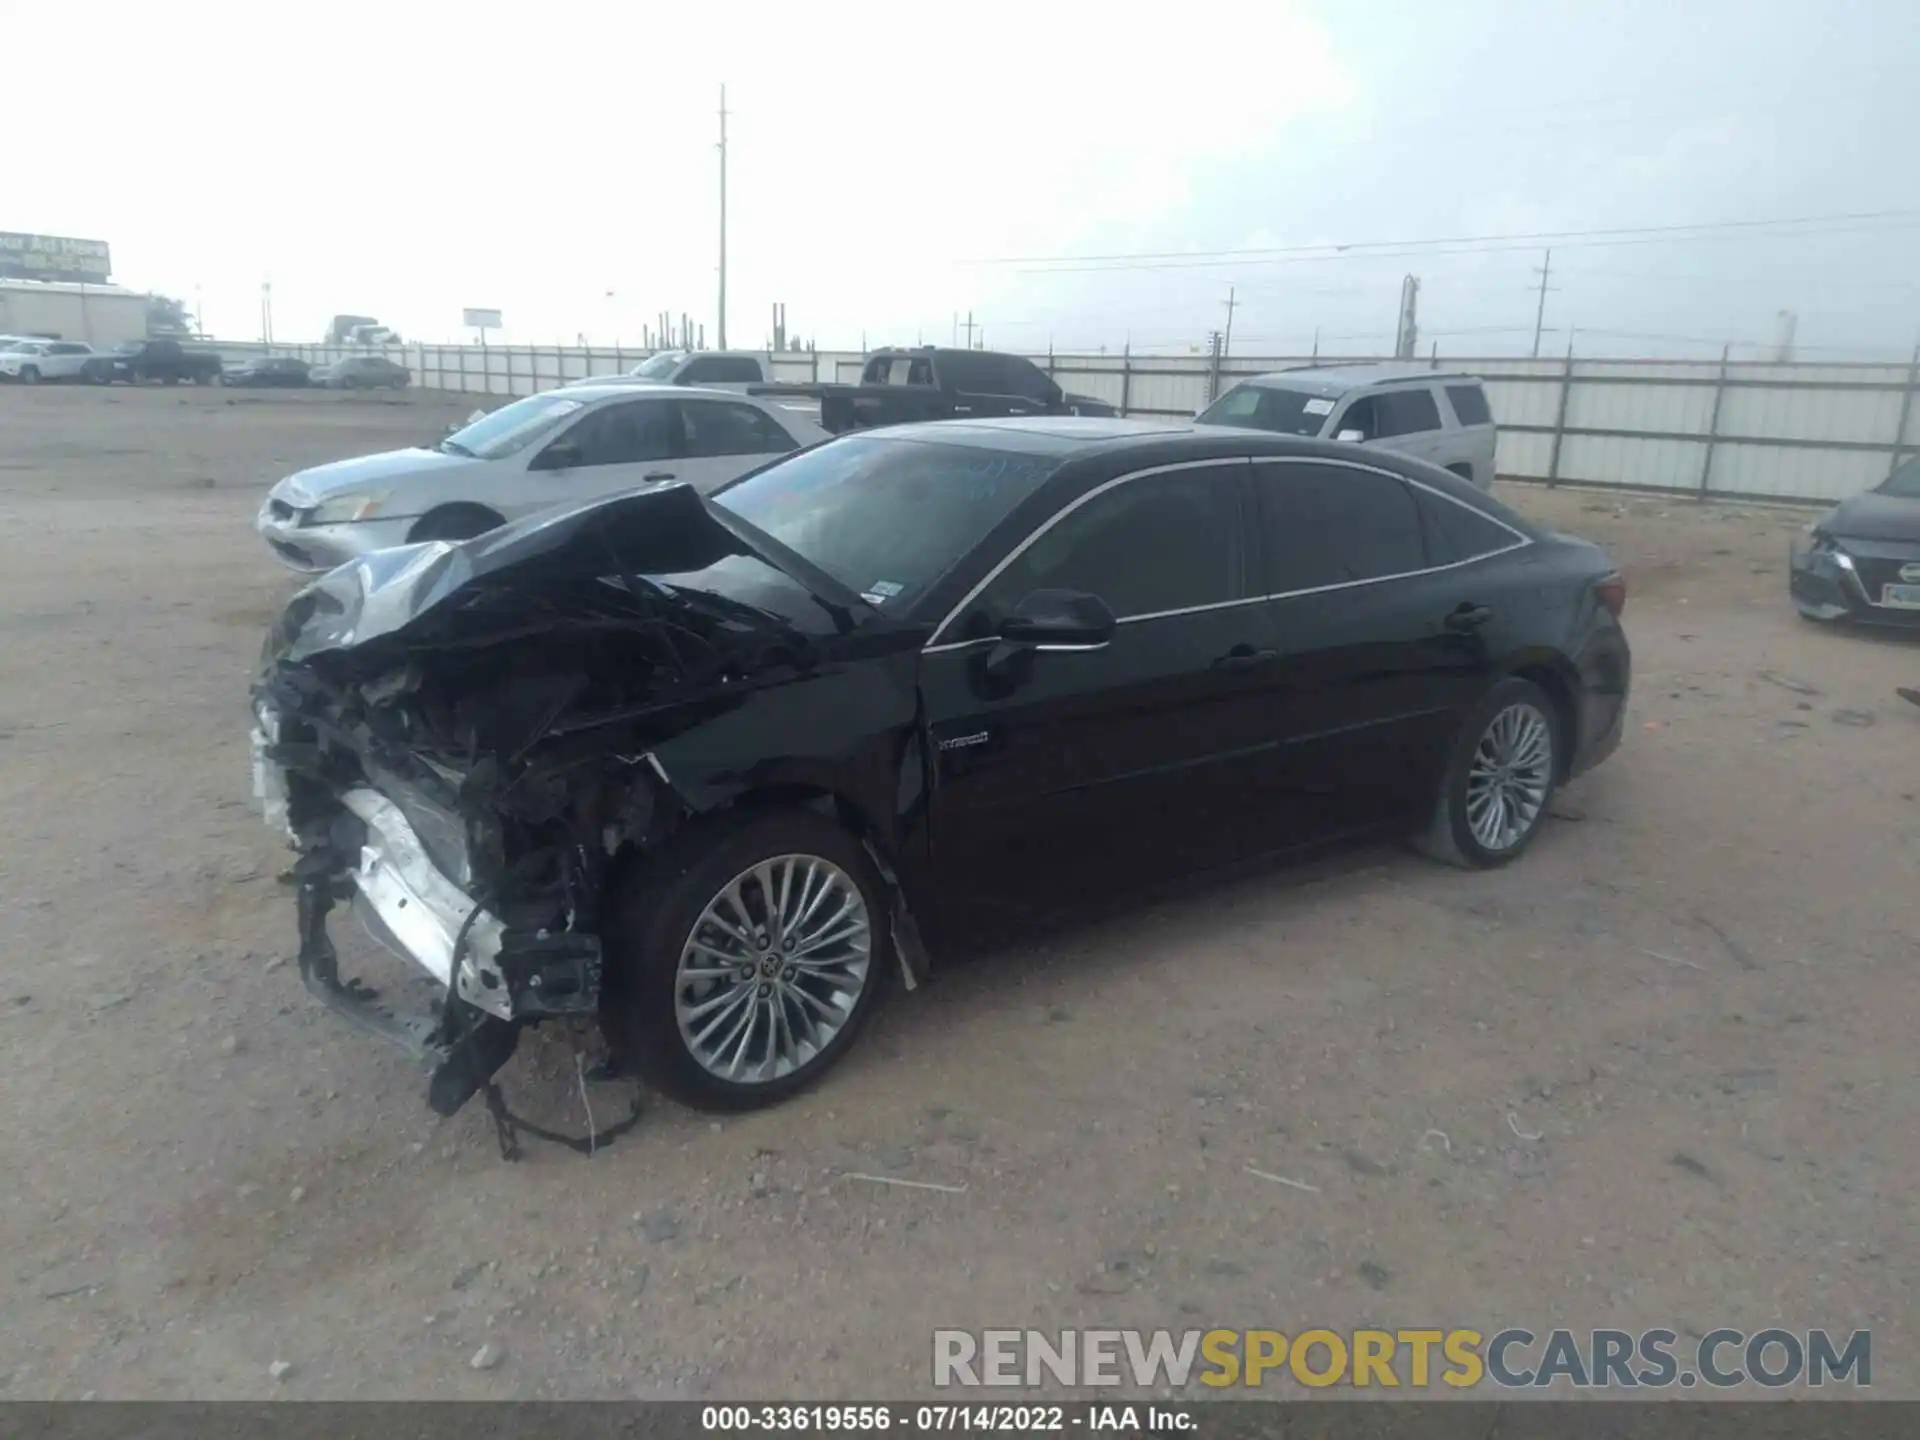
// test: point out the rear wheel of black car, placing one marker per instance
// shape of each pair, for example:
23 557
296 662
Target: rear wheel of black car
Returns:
454 522
1499 779
743 961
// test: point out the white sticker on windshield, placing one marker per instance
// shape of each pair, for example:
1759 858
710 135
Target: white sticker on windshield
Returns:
885 589
1318 407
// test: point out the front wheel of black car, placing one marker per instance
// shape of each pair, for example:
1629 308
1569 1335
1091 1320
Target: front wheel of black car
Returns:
743 961
1499 779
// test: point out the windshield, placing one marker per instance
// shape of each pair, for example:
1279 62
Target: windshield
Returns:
658 367
1261 407
511 427
1904 482
886 518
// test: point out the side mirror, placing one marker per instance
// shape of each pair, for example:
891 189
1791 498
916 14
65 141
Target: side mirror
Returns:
1352 437
1065 619
561 455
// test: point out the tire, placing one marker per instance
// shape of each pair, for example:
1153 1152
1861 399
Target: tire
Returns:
454 522
399 383
169 379
203 378
1512 708
29 375
651 1012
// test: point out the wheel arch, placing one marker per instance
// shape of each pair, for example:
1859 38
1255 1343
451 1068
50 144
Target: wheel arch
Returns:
1556 675
834 803
456 507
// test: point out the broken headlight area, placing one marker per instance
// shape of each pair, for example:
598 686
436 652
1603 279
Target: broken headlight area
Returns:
469 789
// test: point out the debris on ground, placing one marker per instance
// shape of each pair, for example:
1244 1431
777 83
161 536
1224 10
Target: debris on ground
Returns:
1282 1180
280 1369
486 1357
909 1184
1787 682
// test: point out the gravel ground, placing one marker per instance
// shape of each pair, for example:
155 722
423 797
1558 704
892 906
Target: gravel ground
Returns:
1661 1073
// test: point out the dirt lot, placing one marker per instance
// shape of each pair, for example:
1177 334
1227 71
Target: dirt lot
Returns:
1661 1073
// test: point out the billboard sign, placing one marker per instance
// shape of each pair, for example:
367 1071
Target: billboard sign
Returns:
53 257
481 319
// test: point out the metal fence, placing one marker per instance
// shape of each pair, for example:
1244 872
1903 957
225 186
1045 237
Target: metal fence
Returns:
1736 429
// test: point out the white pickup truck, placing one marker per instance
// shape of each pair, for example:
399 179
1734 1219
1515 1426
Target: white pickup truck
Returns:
711 369
31 361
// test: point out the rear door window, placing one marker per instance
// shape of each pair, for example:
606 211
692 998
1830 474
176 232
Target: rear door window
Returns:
714 427
1324 525
1469 404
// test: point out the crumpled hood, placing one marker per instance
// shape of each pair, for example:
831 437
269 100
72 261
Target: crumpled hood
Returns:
1875 517
308 487
606 548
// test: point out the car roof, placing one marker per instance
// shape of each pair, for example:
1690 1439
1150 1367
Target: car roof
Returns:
1338 379
601 389
1097 438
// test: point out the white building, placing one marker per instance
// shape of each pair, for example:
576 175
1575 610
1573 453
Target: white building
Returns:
102 315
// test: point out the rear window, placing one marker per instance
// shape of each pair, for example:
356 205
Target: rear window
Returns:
1469 404
1262 407
722 370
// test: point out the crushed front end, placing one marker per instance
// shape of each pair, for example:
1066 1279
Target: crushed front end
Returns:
455 740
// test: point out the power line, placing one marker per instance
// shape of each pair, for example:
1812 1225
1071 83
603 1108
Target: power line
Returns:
1329 249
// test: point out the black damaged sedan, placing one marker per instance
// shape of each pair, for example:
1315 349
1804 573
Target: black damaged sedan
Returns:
1861 560
713 771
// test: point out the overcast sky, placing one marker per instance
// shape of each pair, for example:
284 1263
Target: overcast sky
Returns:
893 165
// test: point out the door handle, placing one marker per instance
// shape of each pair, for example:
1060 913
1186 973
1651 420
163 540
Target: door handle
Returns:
1245 657
1469 616
658 475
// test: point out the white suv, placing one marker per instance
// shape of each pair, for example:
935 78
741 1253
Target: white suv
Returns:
31 361
1433 415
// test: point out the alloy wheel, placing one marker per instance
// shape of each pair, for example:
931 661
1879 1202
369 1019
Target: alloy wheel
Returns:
1507 782
773 969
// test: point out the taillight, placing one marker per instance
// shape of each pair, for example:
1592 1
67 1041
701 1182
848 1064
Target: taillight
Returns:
1612 591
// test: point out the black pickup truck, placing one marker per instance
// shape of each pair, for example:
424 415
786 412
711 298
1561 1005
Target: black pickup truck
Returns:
165 360
899 385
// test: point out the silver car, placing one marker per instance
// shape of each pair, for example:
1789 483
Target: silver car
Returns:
548 449
1436 416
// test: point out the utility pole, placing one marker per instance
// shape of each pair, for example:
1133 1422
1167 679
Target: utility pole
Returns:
969 327
722 327
1406 340
1226 339
1543 270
